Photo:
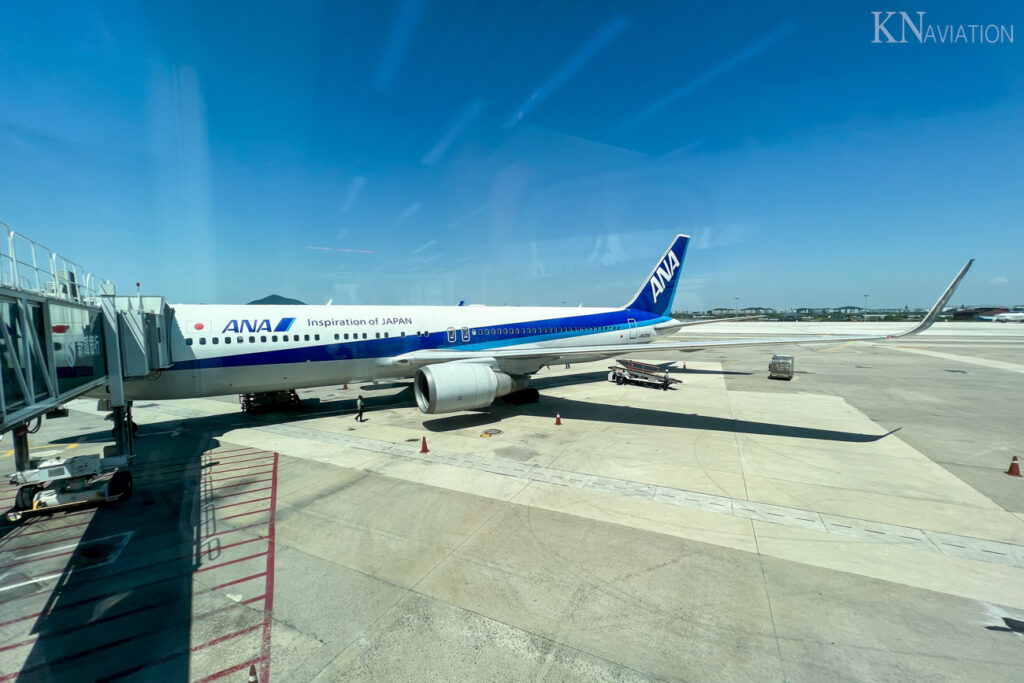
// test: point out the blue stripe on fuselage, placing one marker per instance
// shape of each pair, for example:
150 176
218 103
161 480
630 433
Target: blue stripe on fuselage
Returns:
284 325
394 346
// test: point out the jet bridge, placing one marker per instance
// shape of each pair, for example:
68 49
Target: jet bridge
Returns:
64 333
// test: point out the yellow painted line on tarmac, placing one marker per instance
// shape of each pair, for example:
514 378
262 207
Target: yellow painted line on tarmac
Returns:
839 348
9 452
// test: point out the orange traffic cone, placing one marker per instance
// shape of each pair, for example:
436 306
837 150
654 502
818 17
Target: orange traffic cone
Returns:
1014 470
345 386
252 674
684 366
423 447
558 419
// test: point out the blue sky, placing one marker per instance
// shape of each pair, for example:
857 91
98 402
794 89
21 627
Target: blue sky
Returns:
507 152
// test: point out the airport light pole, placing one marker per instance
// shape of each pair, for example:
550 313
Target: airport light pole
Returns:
737 303
866 302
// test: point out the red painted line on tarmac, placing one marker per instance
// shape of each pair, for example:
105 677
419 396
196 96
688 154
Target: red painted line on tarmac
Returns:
241 493
225 564
234 450
36 545
173 577
47 530
104 596
14 621
46 591
156 473
240 476
268 605
269 456
244 502
234 545
170 471
231 531
235 456
23 643
78 655
140 667
238 469
166 464
244 514
218 641
168 468
225 608
46 512
244 483
37 559
230 670
235 582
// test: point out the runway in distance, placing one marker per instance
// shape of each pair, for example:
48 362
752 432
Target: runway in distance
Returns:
460 357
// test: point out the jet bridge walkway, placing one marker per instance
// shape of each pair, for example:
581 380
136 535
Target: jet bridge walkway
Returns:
64 333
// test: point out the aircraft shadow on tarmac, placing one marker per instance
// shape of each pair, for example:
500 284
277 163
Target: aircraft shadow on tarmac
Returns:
217 425
569 409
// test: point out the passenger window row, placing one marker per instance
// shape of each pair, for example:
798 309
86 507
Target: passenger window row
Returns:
542 330
189 341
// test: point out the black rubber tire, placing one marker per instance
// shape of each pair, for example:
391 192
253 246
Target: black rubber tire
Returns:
121 485
26 494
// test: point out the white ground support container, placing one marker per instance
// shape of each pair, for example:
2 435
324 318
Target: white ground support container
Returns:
780 367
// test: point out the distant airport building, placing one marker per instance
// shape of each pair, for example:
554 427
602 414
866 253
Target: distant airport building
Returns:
978 312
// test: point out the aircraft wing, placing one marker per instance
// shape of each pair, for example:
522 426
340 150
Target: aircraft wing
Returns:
688 323
596 352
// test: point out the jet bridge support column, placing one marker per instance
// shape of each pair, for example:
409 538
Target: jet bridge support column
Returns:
121 409
21 452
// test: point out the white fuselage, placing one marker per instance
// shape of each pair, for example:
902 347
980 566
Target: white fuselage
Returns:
249 349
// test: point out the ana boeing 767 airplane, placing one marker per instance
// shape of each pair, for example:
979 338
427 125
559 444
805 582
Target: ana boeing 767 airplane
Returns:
460 357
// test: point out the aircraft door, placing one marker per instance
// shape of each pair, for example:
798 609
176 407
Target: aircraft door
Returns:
632 328
451 335
465 334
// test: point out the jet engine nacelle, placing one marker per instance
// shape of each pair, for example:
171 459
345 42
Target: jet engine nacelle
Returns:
450 387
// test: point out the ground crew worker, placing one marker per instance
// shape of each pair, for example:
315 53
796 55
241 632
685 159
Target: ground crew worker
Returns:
359 409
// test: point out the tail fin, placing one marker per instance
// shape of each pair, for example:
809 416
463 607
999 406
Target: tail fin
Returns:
656 294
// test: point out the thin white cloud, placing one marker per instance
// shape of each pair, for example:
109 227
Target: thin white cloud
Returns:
354 188
711 74
406 22
600 41
472 214
409 211
453 133
997 281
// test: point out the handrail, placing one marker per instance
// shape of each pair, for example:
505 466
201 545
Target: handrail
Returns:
28 266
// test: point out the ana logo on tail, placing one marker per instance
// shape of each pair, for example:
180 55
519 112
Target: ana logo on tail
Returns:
663 275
